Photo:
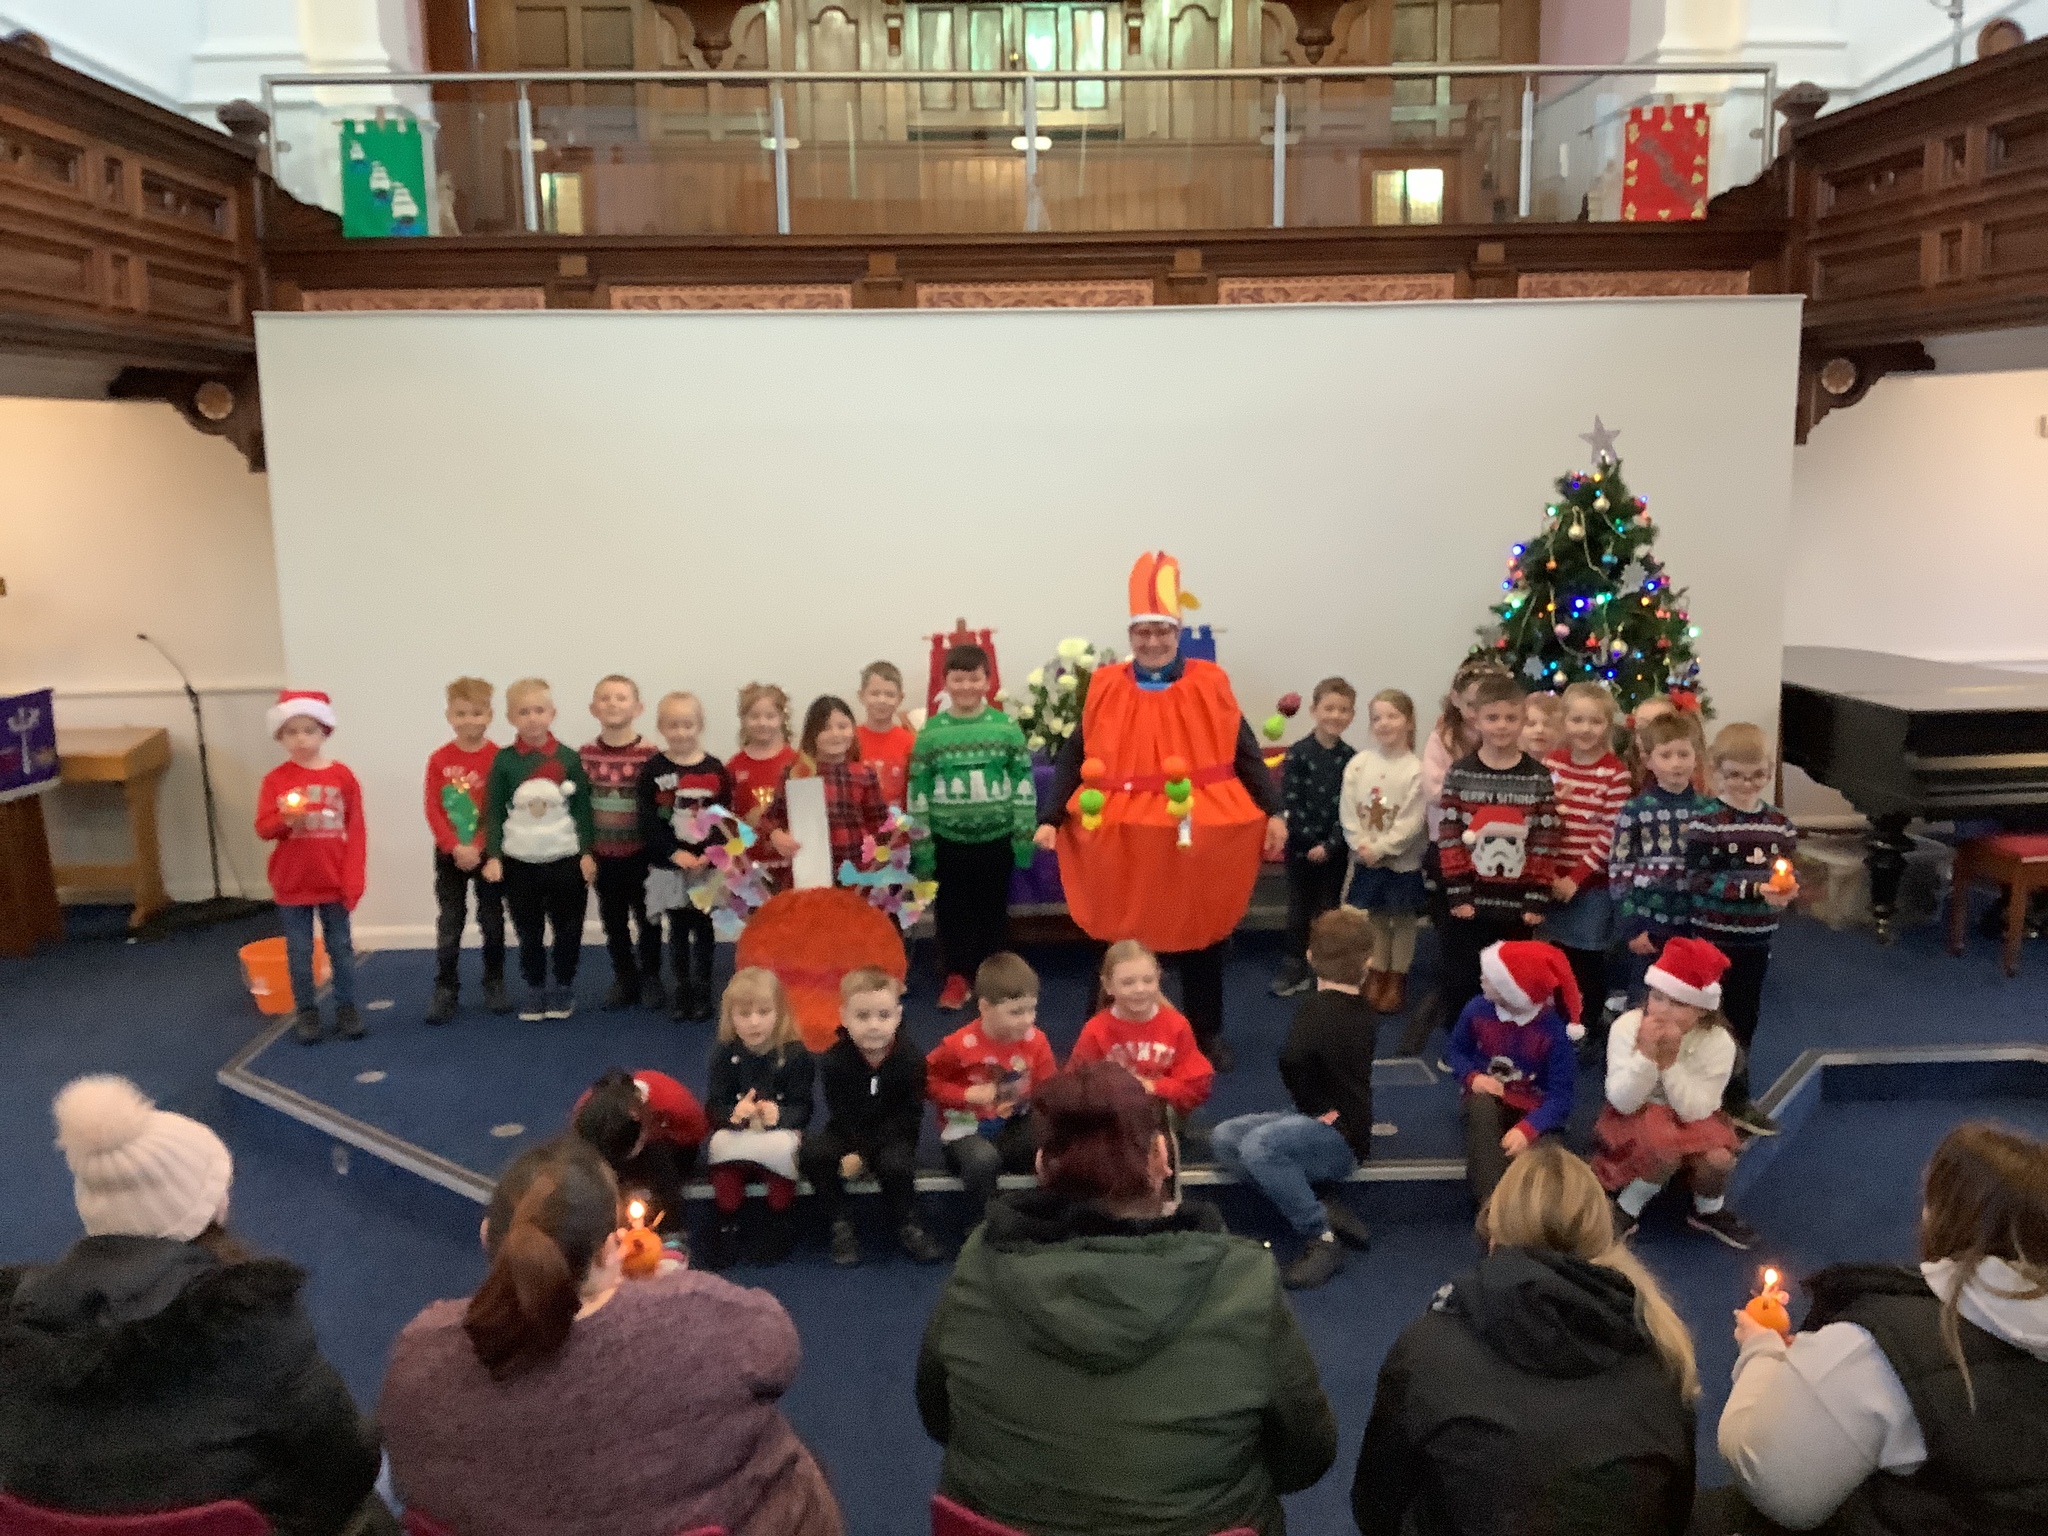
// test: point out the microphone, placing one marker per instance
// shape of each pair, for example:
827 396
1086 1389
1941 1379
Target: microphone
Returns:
157 646
205 767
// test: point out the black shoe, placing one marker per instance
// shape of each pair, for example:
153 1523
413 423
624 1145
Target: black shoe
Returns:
496 998
558 1003
1350 1228
1314 1265
1220 1055
652 993
922 1247
1294 979
1625 1225
703 1004
1726 1227
348 1023
535 1006
777 1238
681 1004
442 1008
845 1243
621 994
722 1247
1751 1120
306 1025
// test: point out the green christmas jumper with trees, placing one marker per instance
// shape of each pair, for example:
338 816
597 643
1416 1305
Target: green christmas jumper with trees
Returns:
970 782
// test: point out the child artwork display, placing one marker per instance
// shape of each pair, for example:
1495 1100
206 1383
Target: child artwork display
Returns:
730 886
383 177
883 874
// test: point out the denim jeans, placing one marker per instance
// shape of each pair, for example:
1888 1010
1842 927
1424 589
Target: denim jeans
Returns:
1286 1155
298 952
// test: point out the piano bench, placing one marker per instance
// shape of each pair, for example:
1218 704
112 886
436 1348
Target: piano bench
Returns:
2016 860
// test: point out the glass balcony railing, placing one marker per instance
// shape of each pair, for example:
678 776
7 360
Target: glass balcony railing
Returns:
697 152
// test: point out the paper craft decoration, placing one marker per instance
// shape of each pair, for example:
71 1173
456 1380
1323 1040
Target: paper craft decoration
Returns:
383 177
28 744
883 874
459 806
730 886
1664 169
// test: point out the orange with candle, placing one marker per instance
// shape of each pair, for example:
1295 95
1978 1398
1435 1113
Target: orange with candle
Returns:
1767 1306
639 1244
1782 878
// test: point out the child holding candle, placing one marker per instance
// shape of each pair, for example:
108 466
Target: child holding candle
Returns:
760 1089
757 769
1592 787
1668 1064
312 808
456 800
854 807
1732 850
1381 809
1144 1033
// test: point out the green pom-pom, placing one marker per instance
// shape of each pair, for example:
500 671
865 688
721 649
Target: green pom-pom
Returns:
1092 801
1275 727
1179 789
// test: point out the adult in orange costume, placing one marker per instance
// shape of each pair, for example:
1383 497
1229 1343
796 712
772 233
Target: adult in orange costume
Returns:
1141 868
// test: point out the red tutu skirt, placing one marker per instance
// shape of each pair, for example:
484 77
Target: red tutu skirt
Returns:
1652 1142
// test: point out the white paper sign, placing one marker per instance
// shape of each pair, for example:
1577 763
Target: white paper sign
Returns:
808 824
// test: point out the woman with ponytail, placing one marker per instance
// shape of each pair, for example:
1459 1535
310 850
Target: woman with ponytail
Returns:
1549 1389
686 1367
1913 1402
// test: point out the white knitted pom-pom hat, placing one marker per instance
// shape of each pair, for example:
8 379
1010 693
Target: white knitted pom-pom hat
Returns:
137 1170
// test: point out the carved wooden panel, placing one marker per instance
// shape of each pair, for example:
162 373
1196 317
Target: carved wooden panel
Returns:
1359 289
701 296
354 299
1628 285
1053 295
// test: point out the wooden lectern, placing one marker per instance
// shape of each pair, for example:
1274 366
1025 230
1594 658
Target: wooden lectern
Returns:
134 757
29 914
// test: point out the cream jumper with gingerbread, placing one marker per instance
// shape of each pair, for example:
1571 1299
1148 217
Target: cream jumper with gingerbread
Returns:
1381 808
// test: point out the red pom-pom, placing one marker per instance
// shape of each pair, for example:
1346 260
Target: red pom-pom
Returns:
1289 705
1175 767
1094 771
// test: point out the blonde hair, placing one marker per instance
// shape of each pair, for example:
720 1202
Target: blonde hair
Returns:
1594 693
1550 1199
616 677
471 690
1739 743
1548 705
525 688
1400 701
1123 952
887 671
869 978
756 985
754 693
1450 720
676 700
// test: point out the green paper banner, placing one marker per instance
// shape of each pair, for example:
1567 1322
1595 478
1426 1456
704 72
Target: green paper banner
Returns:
383 178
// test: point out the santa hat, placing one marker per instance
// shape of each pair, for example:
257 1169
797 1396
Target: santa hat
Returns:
1689 971
299 701
1507 820
1155 589
1525 972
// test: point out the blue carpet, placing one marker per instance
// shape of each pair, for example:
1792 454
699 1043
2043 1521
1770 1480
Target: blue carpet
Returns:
381 1244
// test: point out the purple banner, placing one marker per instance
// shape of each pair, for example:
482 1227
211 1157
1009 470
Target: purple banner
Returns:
28 744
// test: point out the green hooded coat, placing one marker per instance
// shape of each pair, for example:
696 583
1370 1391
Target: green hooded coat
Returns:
1092 1376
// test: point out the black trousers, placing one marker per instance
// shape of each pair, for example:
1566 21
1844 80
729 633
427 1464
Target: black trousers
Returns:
541 896
662 1169
1742 1002
451 896
1201 990
1589 970
981 1160
1487 1119
972 908
692 944
1312 889
622 908
893 1164
1464 938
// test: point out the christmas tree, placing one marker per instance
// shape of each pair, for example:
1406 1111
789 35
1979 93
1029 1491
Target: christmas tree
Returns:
1586 599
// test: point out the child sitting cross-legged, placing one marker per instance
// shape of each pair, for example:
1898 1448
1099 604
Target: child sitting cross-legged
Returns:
648 1127
759 1086
1327 1066
981 1077
1144 1033
1511 1052
873 1079
1668 1064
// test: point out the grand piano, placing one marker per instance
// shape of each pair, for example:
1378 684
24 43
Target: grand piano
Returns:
1899 738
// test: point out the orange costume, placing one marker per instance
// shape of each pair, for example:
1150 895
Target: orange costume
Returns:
1141 867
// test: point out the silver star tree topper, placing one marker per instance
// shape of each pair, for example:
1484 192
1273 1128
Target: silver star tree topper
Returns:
1601 441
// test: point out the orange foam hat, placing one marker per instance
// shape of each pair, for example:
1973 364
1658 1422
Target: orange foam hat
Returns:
1155 589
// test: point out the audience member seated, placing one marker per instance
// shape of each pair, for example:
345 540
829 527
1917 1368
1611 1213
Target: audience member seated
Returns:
565 1400
159 1365
1104 1360
1912 1401
1549 1389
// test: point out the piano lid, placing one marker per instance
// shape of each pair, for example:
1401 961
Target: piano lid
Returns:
1911 683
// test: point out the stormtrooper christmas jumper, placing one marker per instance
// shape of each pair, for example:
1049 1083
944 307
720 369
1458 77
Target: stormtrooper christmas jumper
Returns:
1499 838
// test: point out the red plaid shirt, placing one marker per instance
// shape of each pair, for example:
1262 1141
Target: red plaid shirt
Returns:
854 807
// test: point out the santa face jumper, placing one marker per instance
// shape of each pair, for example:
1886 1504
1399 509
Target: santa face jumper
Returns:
549 759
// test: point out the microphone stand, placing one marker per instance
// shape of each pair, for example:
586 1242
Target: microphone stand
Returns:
219 908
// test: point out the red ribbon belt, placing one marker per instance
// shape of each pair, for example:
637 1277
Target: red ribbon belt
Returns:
1155 783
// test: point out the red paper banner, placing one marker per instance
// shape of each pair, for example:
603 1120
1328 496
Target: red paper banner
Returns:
1664 174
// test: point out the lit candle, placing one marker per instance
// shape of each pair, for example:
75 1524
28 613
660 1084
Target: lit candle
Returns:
1768 1305
639 1245
1781 876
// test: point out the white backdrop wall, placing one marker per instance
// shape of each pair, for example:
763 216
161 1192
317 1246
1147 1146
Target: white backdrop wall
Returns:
703 499
117 517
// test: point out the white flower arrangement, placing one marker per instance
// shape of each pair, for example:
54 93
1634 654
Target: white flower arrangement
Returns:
1056 693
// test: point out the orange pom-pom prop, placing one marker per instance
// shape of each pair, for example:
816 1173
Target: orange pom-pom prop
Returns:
1094 771
1175 767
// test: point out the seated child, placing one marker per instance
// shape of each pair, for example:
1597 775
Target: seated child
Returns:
854 807
312 808
759 1089
649 1128
1327 1066
1385 821
981 1077
1592 786
1144 1033
1542 723
873 1079
1667 1066
1511 1053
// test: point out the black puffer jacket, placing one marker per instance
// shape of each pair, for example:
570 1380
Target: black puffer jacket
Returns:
141 1373
1528 1398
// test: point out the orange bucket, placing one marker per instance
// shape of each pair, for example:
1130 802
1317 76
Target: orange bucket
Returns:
267 977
